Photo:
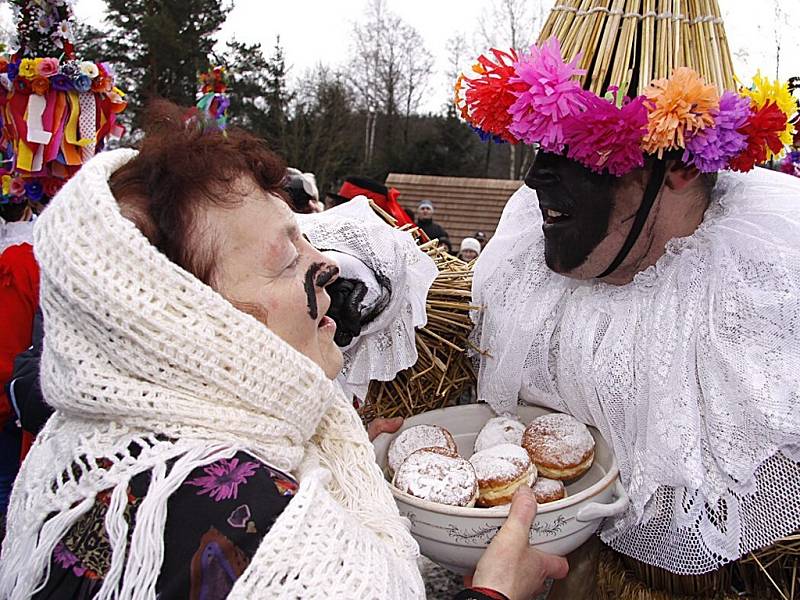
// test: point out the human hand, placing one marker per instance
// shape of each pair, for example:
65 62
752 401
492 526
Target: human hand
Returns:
509 565
379 426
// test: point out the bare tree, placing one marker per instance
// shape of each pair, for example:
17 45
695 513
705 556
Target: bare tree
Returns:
389 68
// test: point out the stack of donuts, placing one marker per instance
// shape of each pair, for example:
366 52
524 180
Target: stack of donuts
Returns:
424 462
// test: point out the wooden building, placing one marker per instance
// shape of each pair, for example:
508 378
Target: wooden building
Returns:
462 205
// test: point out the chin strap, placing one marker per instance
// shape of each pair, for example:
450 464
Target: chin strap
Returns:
649 198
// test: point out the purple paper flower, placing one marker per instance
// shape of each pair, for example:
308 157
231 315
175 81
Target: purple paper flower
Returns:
552 95
61 83
12 70
712 148
606 136
222 478
34 191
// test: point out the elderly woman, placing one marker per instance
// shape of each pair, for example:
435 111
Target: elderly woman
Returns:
200 448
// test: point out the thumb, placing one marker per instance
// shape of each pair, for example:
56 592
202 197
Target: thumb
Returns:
553 566
522 513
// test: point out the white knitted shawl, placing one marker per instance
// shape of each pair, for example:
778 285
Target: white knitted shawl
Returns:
138 352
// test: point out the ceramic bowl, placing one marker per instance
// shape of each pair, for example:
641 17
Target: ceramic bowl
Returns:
456 537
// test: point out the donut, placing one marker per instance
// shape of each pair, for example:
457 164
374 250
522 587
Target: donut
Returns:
501 470
414 438
559 445
437 475
499 430
548 490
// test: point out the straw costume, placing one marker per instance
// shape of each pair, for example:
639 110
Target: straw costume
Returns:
690 371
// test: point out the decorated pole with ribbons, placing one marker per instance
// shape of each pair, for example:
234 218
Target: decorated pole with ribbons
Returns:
57 111
213 101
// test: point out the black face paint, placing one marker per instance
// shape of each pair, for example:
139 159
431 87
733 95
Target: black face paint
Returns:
324 278
582 202
311 292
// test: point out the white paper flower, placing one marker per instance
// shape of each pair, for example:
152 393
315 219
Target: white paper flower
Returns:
89 69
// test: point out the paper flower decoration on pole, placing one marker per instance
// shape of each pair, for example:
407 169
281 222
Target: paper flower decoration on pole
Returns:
214 102
57 111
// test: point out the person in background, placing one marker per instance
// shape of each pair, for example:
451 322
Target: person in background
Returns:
469 250
431 228
302 191
481 237
386 198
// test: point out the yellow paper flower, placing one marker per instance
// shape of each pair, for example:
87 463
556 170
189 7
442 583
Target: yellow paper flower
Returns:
678 105
27 68
765 91
6 185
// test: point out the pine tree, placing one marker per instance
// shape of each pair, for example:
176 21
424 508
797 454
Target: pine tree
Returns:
159 46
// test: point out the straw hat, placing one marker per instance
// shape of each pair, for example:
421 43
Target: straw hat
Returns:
611 81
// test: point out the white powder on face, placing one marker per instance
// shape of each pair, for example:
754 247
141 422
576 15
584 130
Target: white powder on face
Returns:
414 438
501 464
499 430
438 478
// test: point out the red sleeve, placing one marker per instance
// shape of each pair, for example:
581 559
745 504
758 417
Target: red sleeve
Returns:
19 299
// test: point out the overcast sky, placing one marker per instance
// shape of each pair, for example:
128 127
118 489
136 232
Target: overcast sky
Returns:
319 31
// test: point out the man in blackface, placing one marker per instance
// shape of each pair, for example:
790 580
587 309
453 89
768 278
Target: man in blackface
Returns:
646 280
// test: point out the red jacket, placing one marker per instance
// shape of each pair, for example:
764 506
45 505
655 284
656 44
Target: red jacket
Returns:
19 299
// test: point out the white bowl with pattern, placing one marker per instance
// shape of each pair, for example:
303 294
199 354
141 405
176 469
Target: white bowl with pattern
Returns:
456 537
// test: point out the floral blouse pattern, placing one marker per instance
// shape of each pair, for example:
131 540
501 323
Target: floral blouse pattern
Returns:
215 522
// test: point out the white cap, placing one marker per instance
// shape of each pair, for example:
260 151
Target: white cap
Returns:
469 243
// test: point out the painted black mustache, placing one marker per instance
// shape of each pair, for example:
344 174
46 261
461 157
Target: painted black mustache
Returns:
314 278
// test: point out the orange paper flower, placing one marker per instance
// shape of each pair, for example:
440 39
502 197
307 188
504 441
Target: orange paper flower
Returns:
40 85
678 105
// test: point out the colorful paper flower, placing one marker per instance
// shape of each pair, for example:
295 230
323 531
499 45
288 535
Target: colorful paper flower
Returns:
89 69
679 106
765 91
82 83
17 187
61 82
102 84
488 97
12 70
34 191
763 130
712 148
40 85
47 67
51 186
27 68
606 136
551 95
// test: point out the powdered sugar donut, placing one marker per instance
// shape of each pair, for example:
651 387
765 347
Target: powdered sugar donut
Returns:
559 445
414 438
499 430
548 490
501 470
436 475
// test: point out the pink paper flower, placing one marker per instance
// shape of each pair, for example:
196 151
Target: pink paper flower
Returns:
47 67
552 96
712 148
222 478
606 136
